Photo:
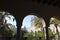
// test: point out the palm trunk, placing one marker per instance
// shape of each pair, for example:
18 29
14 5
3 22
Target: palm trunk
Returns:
43 34
57 30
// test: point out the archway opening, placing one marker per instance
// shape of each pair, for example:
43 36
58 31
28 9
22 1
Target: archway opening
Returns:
33 28
8 25
54 28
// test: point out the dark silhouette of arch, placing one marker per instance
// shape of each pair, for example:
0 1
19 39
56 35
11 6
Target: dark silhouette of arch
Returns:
21 8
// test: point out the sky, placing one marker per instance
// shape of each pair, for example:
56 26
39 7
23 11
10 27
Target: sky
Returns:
27 21
11 21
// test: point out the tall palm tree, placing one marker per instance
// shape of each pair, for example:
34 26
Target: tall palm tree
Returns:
55 21
38 23
2 27
6 14
5 29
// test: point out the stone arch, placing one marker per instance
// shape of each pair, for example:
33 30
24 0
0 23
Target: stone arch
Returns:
9 24
33 14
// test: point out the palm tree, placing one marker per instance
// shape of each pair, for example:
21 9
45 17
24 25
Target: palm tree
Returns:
55 21
38 24
5 23
5 30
